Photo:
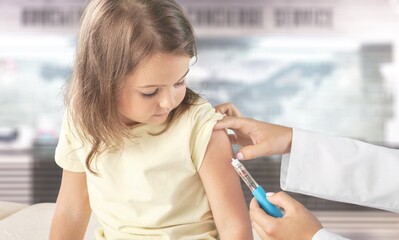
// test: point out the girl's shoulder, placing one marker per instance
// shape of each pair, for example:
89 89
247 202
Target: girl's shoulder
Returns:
70 129
201 112
201 108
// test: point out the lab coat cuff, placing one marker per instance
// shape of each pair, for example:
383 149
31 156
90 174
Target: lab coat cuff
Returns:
285 162
291 164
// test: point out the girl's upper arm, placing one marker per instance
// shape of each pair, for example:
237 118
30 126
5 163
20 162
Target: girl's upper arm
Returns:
223 189
73 210
73 191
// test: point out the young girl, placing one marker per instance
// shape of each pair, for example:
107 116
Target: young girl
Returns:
136 145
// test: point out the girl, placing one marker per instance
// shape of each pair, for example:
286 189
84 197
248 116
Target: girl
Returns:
136 145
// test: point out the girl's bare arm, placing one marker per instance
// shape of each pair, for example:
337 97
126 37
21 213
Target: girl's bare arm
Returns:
222 186
73 210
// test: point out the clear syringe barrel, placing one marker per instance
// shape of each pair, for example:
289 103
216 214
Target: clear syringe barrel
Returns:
244 174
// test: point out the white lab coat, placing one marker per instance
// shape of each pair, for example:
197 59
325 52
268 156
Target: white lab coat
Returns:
342 169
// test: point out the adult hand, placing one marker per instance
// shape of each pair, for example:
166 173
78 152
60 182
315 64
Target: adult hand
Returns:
257 138
297 222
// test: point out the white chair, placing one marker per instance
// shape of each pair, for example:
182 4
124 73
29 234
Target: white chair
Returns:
24 222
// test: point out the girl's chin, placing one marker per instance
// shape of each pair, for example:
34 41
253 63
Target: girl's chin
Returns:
159 119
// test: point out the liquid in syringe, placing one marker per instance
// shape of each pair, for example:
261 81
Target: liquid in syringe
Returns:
256 189
244 174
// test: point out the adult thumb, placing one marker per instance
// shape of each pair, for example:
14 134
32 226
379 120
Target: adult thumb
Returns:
252 151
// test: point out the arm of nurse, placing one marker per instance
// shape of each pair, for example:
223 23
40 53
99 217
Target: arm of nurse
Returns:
73 210
223 189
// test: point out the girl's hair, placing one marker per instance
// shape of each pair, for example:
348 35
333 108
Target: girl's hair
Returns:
115 36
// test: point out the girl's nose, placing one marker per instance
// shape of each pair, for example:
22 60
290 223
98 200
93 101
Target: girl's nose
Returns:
167 100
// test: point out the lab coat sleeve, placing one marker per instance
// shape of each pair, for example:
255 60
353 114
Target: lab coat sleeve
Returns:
324 234
342 169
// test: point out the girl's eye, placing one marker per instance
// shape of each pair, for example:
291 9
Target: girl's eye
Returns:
150 94
181 83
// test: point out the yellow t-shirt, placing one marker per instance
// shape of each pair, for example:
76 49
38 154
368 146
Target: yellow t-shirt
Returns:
151 188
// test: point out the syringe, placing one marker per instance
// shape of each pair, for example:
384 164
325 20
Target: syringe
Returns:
256 189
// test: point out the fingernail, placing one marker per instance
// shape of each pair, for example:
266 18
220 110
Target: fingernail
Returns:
269 194
240 156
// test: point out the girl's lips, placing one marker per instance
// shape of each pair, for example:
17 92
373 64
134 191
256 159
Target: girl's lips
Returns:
161 114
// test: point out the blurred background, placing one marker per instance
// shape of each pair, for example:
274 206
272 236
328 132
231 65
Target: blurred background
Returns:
328 66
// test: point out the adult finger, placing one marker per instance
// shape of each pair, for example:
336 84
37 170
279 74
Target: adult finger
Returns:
259 230
283 200
228 109
254 151
234 123
260 217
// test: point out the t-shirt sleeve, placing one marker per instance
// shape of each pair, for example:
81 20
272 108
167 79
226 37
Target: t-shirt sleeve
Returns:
203 117
66 153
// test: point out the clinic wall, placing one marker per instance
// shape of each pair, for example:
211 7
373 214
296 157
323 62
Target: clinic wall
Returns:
37 40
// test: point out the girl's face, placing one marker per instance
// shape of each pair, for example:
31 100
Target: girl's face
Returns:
155 88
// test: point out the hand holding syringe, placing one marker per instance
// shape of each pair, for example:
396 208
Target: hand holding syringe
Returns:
256 190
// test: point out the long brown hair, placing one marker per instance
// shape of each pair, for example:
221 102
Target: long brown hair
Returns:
115 36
